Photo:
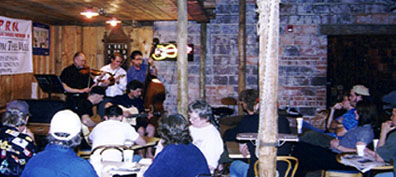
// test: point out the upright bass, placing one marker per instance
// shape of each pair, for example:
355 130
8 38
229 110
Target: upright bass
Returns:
154 90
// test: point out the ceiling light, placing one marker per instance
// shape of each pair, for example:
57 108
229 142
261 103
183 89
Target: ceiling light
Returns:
89 13
113 21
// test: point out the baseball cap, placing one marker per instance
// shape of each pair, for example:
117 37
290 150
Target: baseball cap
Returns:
361 90
65 121
19 105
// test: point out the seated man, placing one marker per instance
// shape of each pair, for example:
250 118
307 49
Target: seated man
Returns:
249 124
120 133
17 145
59 158
386 148
132 99
85 106
205 136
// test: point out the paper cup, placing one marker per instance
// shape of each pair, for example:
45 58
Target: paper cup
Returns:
299 122
360 149
299 125
128 155
375 144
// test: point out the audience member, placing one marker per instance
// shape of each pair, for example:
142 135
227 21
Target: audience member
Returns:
343 105
204 134
386 148
179 157
58 157
17 144
316 157
119 134
348 121
249 124
340 126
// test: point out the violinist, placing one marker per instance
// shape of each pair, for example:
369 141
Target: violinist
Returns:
138 69
77 84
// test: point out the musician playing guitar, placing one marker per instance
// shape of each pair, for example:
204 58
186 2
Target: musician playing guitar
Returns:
133 99
113 76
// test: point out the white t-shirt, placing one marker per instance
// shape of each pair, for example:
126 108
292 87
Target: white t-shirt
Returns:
209 141
112 132
117 88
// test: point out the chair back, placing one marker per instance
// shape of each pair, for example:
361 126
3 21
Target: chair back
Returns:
320 119
292 165
109 152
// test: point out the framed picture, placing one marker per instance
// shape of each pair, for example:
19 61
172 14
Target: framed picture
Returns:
41 36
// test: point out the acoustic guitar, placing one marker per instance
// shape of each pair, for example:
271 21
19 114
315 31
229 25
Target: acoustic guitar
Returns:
134 114
112 79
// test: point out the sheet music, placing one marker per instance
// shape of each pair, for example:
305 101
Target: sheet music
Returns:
362 163
34 90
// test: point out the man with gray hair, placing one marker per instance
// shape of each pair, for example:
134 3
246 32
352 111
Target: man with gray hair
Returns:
17 144
58 157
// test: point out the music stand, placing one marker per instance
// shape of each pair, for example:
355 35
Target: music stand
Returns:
50 83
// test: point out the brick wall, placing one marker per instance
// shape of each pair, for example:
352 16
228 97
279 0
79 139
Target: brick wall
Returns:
303 52
303 58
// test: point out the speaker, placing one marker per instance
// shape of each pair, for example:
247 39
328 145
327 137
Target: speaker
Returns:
41 111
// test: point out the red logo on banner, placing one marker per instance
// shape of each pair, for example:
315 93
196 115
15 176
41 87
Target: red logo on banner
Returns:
9 25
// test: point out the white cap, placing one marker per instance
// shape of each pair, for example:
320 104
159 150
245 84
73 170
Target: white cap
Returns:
361 90
65 121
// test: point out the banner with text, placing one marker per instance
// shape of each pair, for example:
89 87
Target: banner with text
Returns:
15 46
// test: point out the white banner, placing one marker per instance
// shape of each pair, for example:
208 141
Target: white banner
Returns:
15 46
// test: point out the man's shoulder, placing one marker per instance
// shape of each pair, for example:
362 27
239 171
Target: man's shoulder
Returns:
70 67
105 67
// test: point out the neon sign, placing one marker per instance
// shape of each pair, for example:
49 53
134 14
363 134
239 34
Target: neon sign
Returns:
169 51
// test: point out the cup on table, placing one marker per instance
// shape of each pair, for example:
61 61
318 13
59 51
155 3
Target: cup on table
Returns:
128 155
360 149
299 124
375 143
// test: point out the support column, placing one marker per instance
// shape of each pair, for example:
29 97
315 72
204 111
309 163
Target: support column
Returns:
268 85
182 67
202 66
242 49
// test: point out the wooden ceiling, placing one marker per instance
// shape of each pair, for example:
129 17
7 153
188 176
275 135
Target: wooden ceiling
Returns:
67 12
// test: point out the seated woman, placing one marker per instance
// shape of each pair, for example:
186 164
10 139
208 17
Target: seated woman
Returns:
312 157
179 157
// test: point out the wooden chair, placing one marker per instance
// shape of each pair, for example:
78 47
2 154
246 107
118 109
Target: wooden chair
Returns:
320 119
291 161
340 173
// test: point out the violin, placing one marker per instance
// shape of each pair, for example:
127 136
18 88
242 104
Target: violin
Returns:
87 69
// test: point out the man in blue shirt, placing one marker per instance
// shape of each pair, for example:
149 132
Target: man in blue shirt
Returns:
138 69
58 157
